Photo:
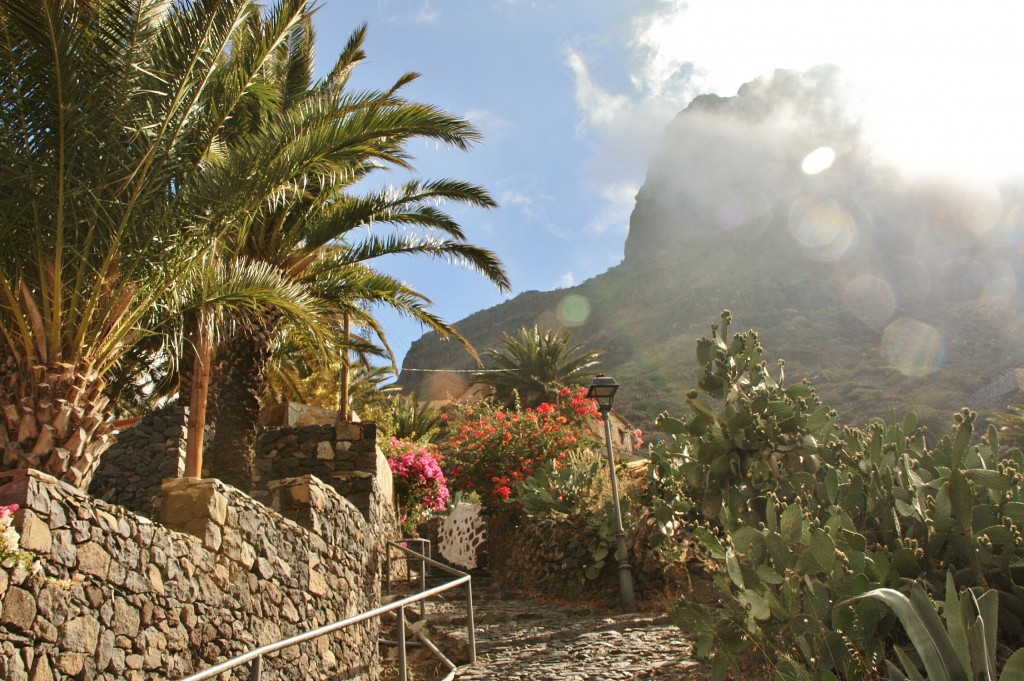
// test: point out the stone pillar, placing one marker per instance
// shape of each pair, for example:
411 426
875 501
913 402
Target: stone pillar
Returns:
195 506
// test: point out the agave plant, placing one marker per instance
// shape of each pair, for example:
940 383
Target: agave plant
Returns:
962 650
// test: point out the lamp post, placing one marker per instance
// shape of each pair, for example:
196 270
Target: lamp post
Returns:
603 390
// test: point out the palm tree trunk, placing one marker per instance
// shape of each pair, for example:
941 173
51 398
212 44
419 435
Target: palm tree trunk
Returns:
244 358
343 388
55 419
199 388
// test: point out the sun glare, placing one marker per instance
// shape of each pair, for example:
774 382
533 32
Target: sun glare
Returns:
936 83
818 161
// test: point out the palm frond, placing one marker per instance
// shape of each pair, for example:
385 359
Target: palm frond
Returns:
415 203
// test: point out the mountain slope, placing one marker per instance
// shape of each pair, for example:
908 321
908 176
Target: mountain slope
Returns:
885 293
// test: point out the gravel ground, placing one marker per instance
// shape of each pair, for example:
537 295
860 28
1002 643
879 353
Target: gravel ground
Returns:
520 638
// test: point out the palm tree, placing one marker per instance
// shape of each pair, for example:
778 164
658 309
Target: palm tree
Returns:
534 366
113 119
319 235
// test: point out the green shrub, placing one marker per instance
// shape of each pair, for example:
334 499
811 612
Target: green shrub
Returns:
575 486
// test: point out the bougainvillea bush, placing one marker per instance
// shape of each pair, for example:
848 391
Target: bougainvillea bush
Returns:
490 448
420 484
10 553
8 535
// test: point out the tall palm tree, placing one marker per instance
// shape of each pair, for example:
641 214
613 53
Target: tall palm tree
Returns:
322 236
534 365
113 117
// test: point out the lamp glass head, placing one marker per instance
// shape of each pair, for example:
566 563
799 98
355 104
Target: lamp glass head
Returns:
603 390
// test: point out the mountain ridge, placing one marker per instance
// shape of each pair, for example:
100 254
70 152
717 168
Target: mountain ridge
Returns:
885 293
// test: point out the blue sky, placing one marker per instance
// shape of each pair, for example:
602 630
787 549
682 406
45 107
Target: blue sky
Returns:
572 97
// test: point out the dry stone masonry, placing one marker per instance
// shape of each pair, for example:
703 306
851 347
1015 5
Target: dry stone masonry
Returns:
118 596
344 455
131 471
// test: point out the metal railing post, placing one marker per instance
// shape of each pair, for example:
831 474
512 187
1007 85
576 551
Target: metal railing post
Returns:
423 585
469 622
256 671
403 672
387 579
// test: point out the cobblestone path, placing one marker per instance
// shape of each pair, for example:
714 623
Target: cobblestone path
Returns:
523 639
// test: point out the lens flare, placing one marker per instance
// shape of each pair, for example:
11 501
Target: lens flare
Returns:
823 228
819 160
1000 289
910 278
573 310
913 347
870 300
737 211
967 279
982 208
1014 227
446 383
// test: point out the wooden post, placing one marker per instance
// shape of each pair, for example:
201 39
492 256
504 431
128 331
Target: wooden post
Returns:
197 403
343 393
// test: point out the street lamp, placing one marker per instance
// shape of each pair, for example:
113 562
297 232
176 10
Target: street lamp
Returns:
603 390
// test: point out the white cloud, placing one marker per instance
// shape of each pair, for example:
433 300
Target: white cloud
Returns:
515 199
567 280
613 213
626 131
424 13
600 108
937 80
492 125
621 193
427 14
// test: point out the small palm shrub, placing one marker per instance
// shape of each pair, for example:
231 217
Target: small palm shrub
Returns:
406 418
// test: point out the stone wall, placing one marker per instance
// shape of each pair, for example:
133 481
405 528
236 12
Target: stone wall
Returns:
551 555
132 469
121 597
547 555
344 455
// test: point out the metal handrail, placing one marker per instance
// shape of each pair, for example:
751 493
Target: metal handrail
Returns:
255 656
425 561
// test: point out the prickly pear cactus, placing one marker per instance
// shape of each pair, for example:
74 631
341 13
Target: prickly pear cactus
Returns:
747 434
796 516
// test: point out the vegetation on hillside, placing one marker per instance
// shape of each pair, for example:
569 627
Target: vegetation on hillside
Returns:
886 292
